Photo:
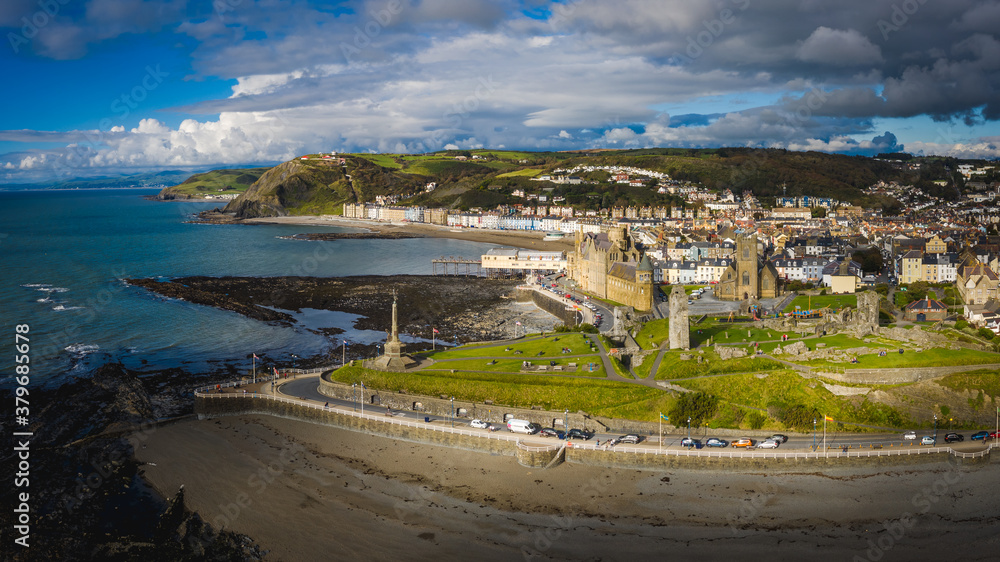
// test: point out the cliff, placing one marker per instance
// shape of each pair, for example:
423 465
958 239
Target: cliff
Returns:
213 183
319 186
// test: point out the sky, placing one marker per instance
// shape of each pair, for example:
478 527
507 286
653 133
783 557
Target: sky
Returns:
109 87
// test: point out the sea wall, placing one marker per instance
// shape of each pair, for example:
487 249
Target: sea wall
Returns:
549 303
208 407
641 461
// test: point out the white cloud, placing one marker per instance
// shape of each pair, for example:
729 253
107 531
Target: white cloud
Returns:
839 47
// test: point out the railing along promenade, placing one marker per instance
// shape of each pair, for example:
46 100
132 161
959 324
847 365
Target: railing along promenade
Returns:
832 452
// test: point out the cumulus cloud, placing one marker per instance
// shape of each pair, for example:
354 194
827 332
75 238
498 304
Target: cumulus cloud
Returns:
839 47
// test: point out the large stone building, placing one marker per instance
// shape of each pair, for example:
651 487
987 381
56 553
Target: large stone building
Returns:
609 265
748 277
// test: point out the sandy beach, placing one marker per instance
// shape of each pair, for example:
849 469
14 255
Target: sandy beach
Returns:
310 492
515 238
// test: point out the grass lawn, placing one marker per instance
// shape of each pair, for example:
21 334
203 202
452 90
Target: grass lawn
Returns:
551 346
526 173
733 333
653 333
384 160
934 357
594 396
514 366
672 367
822 301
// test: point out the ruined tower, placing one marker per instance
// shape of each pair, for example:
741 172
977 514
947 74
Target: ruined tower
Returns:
680 333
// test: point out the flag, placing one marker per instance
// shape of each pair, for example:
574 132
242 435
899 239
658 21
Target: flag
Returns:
345 342
362 386
518 323
435 330
255 356
828 418
276 375
667 418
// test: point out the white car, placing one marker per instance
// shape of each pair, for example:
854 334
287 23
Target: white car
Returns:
479 424
768 444
910 435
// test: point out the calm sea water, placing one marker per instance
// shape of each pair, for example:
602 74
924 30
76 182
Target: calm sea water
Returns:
63 255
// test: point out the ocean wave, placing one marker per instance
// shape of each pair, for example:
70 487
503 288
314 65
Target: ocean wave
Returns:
53 289
44 299
61 308
81 349
36 285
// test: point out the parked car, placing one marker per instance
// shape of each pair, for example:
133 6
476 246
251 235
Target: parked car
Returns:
631 438
953 437
689 442
780 437
769 444
994 434
716 442
479 424
980 435
910 435
579 434
928 440
549 432
745 442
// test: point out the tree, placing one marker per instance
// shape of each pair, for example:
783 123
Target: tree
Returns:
699 406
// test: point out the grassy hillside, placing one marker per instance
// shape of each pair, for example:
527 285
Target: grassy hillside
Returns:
215 182
486 178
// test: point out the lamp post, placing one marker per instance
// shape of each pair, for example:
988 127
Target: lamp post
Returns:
354 395
935 429
453 411
566 420
814 434
689 428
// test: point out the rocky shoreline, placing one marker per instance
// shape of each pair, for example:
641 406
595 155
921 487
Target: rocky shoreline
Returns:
462 309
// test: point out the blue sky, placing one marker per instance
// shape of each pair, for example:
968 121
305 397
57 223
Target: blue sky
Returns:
101 87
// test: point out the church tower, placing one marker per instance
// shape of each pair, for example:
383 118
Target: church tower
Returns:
747 285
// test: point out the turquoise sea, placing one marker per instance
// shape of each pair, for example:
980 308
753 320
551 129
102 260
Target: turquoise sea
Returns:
63 255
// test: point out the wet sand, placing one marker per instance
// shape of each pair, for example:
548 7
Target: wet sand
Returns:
518 239
308 492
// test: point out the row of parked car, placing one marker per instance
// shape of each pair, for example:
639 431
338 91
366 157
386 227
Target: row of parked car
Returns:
772 442
952 437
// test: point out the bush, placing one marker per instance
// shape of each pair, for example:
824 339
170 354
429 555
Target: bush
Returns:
986 333
822 292
755 420
699 406
799 417
961 325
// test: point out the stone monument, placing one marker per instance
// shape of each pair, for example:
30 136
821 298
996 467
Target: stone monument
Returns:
394 359
680 333
866 317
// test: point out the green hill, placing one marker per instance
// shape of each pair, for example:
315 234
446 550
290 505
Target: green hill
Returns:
486 178
215 182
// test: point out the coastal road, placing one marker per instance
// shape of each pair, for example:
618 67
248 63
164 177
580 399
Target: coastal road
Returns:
306 388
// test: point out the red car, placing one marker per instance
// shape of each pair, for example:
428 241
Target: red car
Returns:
994 435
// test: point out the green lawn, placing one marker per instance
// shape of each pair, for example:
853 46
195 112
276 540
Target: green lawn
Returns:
527 173
733 333
550 345
672 367
594 396
514 366
934 357
384 160
822 301
654 333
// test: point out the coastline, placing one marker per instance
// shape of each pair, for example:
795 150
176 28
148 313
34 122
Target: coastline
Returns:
425 502
520 239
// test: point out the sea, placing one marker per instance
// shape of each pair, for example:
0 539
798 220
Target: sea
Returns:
64 255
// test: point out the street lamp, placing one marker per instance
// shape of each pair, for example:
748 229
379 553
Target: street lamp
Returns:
935 428
354 395
689 428
453 411
566 420
814 434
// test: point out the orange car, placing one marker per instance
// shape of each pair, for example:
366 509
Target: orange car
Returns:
744 442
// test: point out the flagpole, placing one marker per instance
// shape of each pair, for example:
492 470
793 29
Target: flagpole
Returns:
827 452
343 354
254 367
432 339
661 431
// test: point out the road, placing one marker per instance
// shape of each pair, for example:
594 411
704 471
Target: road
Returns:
306 388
